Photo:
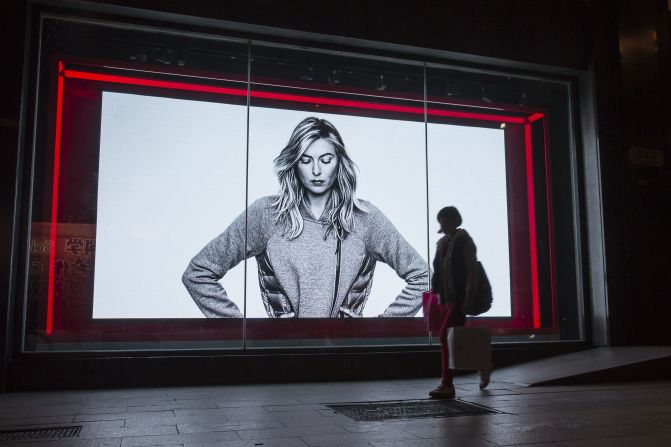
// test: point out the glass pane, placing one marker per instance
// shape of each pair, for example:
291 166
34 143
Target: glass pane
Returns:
149 163
467 170
145 157
489 154
335 143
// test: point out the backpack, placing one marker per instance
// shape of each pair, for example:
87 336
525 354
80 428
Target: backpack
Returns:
482 301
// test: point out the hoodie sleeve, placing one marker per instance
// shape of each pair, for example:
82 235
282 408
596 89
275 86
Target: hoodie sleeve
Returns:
385 243
224 252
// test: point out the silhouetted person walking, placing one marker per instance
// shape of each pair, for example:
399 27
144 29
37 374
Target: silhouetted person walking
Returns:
455 278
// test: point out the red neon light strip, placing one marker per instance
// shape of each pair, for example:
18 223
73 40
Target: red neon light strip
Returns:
534 117
532 228
548 192
54 202
282 97
114 79
288 97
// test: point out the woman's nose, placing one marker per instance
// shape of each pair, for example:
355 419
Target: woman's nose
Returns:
316 169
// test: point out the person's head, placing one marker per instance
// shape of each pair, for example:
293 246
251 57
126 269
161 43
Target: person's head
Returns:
449 219
314 162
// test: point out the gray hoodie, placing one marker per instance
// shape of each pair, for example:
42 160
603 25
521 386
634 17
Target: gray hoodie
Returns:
297 277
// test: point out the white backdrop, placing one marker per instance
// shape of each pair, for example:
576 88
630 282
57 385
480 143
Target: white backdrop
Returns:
390 156
172 177
467 169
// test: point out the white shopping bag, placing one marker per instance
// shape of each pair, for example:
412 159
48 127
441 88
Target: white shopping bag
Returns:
470 348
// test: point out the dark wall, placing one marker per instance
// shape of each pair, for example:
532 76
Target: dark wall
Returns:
12 21
631 60
545 31
632 106
645 67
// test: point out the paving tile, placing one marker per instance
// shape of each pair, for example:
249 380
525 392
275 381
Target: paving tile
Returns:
144 401
623 441
150 415
200 427
189 439
294 407
276 433
297 420
168 420
144 430
200 413
489 419
468 441
530 437
35 421
96 426
69 442
38 410
247 413
100 417
466 430
253 403
283 442
326 440
147 416
101 410
176 405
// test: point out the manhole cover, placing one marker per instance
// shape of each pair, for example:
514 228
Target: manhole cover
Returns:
40 433
409 409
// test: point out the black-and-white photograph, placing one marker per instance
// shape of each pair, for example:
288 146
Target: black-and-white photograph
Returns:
316 244
209 213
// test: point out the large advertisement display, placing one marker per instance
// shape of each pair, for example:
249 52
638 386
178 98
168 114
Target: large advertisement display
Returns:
215 210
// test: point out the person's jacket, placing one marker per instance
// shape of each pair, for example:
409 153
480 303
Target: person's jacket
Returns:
451 267
297 277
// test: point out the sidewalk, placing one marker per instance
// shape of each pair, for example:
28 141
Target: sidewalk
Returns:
295 415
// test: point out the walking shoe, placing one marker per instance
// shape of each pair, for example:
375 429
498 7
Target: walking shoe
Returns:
443 392
485 375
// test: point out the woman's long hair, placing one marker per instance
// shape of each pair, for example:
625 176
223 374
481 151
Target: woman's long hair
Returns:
342 201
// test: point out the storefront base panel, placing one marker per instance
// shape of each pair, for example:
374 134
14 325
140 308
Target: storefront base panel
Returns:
105 370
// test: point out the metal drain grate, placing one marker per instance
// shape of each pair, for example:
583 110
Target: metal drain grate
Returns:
380 411
40 433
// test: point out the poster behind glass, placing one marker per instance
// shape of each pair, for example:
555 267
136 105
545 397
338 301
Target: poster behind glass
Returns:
335 223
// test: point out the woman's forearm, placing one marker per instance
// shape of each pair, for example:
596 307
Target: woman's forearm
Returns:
211 298
224 252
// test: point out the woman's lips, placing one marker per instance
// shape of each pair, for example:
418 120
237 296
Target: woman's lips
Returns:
317 182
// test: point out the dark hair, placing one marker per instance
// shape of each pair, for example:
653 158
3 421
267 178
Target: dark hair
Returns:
451 214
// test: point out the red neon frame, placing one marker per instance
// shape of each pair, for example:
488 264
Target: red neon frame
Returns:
531 203
54 200
74 74
243 92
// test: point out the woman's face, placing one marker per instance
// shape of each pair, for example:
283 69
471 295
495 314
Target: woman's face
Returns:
317 168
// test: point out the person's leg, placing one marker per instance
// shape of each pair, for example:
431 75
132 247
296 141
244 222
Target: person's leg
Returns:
446 374
485 375
446 388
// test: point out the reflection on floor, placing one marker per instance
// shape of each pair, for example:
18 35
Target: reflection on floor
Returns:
291 415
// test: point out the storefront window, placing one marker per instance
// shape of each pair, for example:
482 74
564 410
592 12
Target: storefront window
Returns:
193 193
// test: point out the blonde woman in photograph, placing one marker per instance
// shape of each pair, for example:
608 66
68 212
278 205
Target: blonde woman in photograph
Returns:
315 243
